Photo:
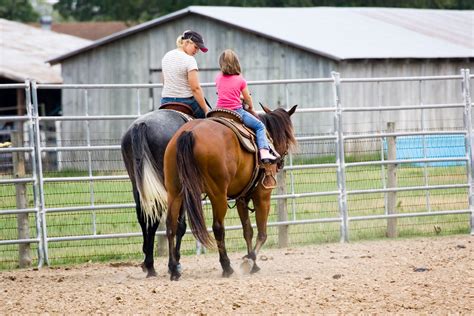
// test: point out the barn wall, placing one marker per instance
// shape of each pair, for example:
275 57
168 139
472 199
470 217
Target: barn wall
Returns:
119 62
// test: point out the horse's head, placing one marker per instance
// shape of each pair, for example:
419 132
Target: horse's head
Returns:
280 128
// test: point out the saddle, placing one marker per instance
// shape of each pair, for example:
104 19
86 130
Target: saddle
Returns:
233 120
178 106
263 173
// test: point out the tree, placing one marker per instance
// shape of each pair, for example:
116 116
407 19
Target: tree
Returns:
18 10
111 10
143 10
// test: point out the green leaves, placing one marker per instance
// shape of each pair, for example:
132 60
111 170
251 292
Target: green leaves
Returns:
138 11
18 10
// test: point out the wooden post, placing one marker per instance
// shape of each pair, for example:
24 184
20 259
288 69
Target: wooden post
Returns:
24 250
162 241
282 210
21 198
391 182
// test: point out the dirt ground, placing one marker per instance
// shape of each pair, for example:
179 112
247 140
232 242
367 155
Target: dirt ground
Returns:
426 275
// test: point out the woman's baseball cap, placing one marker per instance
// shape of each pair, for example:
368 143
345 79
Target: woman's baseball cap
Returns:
196 38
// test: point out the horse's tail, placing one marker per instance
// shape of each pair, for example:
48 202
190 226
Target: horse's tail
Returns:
153 196
191 186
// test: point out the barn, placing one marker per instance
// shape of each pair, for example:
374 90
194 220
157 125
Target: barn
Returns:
24 50
285 43
23 53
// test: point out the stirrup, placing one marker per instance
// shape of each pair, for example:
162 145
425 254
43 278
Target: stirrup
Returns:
268 161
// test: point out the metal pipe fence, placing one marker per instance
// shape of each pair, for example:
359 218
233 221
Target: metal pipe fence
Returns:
68 210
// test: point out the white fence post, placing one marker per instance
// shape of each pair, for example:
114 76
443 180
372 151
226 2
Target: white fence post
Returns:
39 169
340 161
282 210
466 90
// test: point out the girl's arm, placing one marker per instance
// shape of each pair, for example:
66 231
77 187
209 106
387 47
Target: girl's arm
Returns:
248 101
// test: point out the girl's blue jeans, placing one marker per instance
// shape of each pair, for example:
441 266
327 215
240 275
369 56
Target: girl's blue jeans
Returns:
257 126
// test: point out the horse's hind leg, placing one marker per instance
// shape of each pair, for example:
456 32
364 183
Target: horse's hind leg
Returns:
148 248
219 209
179 236
174 210
148 238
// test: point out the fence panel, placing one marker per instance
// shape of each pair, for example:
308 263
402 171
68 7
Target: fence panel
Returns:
343 183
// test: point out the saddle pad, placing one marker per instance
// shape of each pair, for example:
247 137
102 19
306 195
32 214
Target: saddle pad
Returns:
245 136
185 116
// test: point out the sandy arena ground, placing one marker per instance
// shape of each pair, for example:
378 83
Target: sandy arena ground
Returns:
426 275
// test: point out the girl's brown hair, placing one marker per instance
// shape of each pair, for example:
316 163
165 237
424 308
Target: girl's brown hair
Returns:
229 63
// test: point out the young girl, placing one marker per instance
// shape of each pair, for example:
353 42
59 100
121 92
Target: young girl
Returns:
230 86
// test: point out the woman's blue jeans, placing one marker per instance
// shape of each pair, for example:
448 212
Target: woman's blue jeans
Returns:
257 126
197 111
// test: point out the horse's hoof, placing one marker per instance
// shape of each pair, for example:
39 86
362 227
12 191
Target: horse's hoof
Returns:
227 273
255 269
151 273
175 276
178 268
247 265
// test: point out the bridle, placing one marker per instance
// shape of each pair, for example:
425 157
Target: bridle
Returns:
281 161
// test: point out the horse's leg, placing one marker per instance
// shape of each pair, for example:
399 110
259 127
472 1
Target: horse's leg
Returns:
174 207
249 258
148 237
261 202
179 236
219 210
243 209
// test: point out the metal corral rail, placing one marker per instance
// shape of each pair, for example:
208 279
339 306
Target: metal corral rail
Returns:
34 148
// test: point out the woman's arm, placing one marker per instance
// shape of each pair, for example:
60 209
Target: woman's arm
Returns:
193 80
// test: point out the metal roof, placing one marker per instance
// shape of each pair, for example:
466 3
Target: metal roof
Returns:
341 33
24 50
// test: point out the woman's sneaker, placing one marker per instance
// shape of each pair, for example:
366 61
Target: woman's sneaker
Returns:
266 156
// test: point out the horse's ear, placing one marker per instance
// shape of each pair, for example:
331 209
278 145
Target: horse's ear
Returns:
266 109
292 110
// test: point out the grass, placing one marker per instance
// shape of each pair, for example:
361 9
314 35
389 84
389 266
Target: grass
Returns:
101 222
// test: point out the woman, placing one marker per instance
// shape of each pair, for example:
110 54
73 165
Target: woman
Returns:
180 74
230 86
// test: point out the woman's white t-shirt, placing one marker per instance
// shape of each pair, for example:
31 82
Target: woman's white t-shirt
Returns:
175 66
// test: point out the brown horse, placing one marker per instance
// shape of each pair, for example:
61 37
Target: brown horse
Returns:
205 156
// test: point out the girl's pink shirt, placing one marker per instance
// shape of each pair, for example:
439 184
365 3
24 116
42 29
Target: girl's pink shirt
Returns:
229 88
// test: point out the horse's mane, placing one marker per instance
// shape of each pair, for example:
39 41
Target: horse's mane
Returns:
278 124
